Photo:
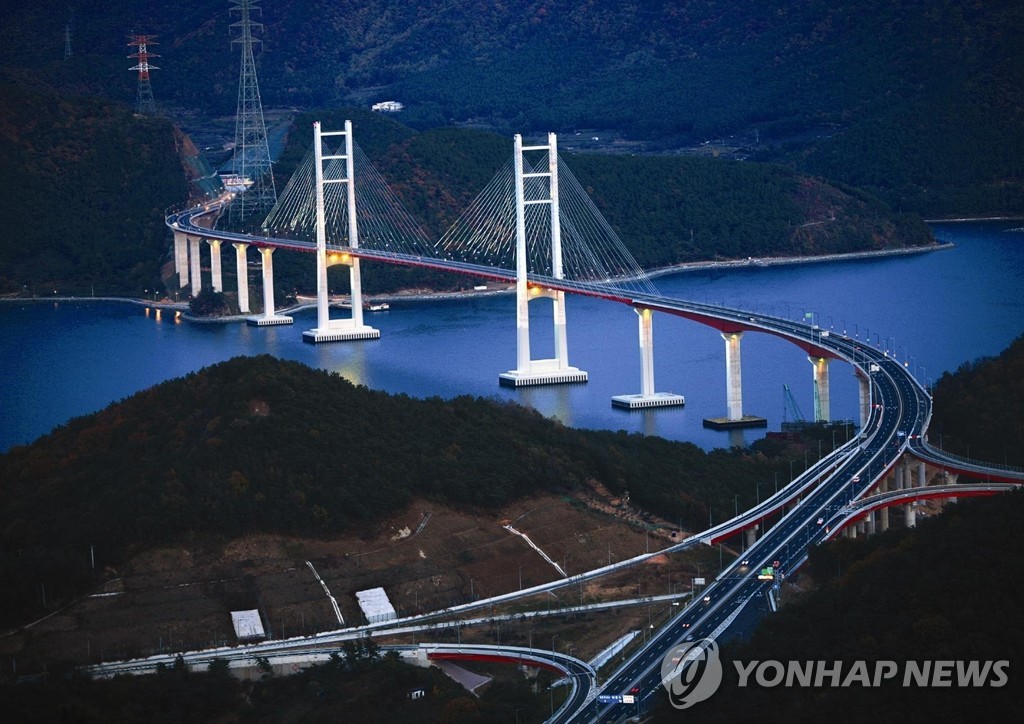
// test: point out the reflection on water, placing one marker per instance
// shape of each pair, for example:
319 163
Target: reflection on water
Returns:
549 400
348 360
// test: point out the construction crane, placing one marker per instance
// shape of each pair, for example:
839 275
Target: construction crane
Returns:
790 407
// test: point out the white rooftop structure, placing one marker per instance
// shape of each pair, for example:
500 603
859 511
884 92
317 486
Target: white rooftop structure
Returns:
375 605
387 107
247 625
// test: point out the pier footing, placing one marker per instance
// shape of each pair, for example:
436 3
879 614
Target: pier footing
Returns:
567 375
271 321
724 423
642 402
317 336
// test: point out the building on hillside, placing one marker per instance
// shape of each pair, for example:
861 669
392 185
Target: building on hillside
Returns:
375 605
248 626
387 107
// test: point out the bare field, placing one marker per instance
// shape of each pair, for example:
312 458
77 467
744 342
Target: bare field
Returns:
428 557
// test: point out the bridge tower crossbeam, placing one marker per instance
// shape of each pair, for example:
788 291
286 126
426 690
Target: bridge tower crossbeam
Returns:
327 329
529 371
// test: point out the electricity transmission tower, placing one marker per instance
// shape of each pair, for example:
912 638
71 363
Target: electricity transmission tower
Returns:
252 152
67 36
144 103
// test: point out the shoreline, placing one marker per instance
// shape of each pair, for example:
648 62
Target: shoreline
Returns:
420 296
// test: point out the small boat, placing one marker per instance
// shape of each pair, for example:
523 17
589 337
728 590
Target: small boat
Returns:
383 307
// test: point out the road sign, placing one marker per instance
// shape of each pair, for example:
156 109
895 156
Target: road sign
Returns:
628 699
609 698
698 581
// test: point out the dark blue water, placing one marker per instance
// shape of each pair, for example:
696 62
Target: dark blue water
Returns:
935 310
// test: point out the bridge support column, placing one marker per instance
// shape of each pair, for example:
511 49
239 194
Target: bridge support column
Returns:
327 329
851 530
181 258
922 475
910 516
269 316
733 375
734 389
822 405
751 536
883 513
194 276
217 280
647 397
864 394
242 271
544 371
869 523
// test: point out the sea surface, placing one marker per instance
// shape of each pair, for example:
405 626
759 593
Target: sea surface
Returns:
935 311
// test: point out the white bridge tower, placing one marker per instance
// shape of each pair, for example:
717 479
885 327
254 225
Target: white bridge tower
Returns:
327 329
543 371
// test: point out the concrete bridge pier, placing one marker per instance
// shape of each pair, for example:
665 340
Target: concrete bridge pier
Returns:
647 397
822 404
181 258
734 389
883 513
217 279
242 271
733 375
864 396
910 516
194 276
751 536
269 316
869 523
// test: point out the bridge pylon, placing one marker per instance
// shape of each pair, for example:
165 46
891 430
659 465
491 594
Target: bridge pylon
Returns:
529 371
327 329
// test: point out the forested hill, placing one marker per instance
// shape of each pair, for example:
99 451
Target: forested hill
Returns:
263 445
83 187
919 100
979 409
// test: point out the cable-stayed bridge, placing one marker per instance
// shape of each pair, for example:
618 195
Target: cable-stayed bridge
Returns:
533 226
